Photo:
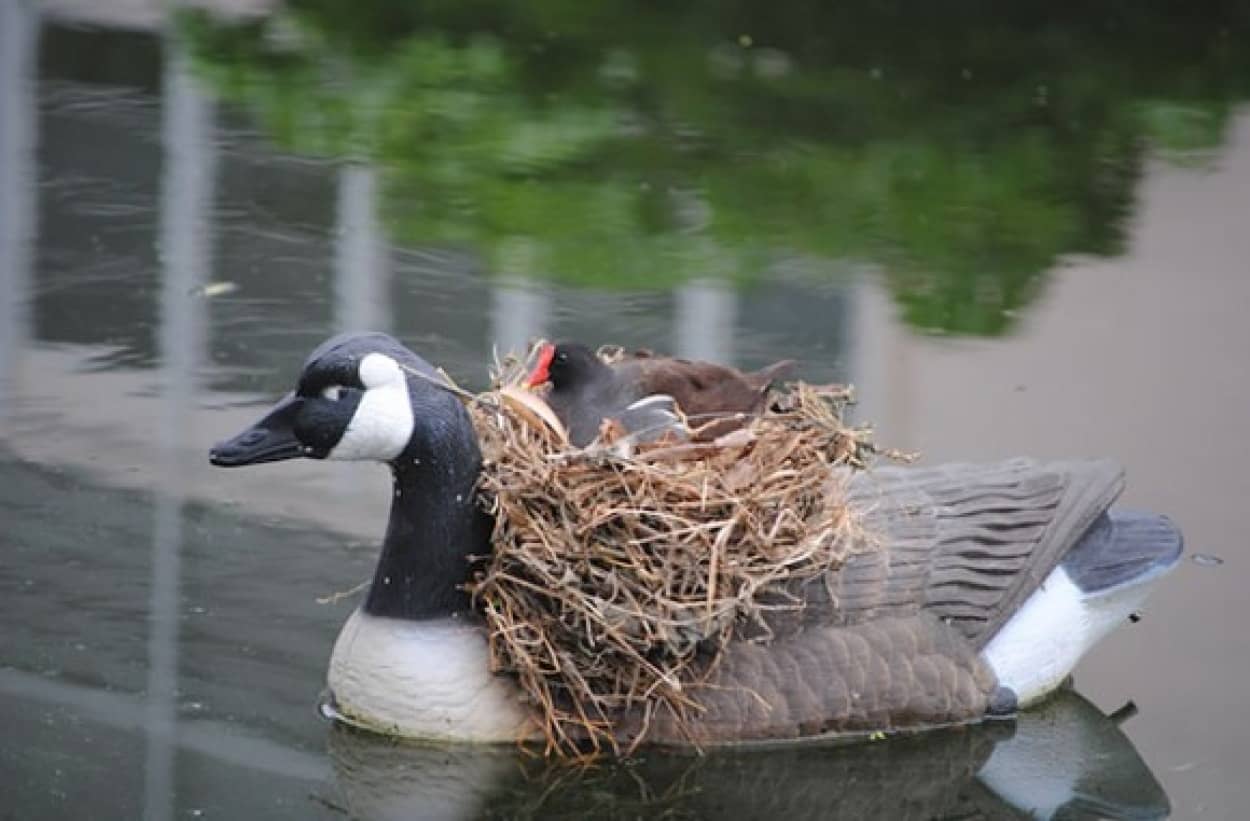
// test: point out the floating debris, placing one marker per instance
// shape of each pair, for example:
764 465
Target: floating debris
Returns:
339 595
214 289
1206 560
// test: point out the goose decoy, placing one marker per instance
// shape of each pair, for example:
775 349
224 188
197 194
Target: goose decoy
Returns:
989 584
585 390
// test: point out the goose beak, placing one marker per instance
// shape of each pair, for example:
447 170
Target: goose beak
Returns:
272 439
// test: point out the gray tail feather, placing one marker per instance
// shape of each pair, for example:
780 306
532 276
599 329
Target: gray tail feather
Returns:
1122 546
765 378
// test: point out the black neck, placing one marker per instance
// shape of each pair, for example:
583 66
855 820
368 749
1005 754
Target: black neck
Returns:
434 530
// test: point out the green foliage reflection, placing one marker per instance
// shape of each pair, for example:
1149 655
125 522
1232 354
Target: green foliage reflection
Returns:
961 151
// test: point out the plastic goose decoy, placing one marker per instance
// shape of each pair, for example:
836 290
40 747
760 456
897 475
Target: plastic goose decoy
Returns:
992 581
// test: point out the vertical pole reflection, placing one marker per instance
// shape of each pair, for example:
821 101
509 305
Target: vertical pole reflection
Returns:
186 205
519 306
706 312
519 309
19 45
362 275
361 280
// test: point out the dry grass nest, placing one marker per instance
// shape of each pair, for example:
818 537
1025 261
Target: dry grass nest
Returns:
617 577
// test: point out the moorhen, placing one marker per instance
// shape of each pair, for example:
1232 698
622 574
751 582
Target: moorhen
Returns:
585 390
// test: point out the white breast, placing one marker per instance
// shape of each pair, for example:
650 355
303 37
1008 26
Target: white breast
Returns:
422 679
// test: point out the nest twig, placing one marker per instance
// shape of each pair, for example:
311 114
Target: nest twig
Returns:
615 581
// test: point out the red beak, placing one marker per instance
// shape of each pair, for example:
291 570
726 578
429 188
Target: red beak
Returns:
542 370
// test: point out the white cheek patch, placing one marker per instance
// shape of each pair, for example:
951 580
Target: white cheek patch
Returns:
377 370
382 425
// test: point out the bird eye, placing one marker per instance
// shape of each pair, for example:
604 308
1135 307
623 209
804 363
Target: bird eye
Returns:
562 357
332 392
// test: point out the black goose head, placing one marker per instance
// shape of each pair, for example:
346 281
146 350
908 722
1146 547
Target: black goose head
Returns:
567 365
360 396
365 396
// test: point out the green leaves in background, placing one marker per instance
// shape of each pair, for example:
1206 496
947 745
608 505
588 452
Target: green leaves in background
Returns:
962 151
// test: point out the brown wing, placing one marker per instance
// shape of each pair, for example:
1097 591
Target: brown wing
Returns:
765 378
834 680
703 390
892 639
967 542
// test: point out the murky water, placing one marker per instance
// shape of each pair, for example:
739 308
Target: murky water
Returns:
1023 235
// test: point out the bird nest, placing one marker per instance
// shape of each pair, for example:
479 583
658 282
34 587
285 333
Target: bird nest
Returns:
618 575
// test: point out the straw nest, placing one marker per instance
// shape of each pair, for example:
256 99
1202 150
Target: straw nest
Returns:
619 573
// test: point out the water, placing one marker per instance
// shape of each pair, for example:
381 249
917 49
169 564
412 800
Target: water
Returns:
1023 235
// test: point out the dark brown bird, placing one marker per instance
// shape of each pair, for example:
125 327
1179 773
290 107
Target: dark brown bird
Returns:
585 390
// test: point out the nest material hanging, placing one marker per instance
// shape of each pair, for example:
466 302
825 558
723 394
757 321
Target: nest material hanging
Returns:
616 579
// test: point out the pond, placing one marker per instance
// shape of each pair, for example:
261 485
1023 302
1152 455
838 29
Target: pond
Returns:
1017 232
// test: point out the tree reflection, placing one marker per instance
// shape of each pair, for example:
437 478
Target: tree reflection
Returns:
962 150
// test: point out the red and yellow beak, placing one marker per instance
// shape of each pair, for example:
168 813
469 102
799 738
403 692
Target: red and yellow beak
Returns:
542 369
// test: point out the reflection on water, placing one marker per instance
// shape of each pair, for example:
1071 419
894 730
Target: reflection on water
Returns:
1066 760
743 141
729 186
19 31
186 197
